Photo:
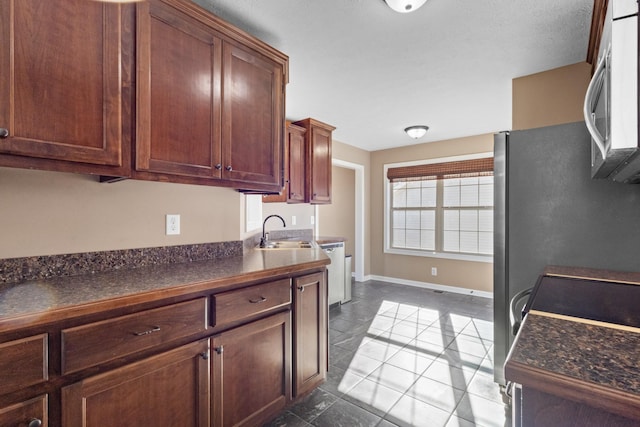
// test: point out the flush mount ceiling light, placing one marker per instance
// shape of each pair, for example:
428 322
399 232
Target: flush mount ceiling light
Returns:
405 6
416 132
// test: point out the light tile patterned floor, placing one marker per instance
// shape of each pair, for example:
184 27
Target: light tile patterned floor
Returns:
406 356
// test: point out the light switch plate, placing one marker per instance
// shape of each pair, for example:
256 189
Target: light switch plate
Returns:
173 225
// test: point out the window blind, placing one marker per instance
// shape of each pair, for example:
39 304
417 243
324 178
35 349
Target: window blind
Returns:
474 167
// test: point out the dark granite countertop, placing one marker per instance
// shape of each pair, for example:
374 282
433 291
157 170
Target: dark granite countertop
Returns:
586 352
43 300
578 359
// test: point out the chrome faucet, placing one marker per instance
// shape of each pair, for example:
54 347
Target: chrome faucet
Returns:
264 239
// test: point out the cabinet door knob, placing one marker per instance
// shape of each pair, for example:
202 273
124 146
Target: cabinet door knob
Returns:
205 355
219 350
4 133
301 288
35 422
229 168
218 166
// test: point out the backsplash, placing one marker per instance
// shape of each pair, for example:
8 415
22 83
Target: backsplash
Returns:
15 270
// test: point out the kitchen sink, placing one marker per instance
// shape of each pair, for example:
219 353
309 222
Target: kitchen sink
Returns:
289 244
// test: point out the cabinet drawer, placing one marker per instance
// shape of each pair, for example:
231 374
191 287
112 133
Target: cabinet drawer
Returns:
238 304
25 413
95 343
23 362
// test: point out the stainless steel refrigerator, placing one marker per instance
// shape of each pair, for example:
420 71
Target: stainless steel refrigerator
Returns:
548 211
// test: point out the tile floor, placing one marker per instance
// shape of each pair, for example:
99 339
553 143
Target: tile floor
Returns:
406 356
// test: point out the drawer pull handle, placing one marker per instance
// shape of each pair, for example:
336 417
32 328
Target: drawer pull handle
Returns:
150 331
257 301
35 422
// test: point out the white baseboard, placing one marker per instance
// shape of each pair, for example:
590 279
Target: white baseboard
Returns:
434 286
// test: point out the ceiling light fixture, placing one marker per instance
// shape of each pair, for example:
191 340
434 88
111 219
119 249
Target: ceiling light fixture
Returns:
405 6
416 132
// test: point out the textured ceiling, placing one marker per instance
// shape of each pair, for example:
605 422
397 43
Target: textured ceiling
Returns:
371 72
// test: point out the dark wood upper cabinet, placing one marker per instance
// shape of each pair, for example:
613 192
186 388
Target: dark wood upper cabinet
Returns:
296 192
253 117
318 160
210 99
208 106
61 95
294 169
178 103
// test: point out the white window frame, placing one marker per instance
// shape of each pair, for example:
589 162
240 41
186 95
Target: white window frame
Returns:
387 211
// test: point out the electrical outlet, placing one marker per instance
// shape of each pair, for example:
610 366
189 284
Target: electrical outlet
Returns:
293 220
173 225
434 271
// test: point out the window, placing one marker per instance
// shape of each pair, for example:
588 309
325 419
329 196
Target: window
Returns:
443 208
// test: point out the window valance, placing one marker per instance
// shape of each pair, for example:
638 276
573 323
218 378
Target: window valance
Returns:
473 167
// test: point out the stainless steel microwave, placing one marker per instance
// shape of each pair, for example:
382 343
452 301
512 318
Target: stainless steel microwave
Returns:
611 102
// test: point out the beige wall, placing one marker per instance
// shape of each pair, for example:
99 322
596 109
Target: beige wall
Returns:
302 211
551 97
465 274
361 158
46 213
339 218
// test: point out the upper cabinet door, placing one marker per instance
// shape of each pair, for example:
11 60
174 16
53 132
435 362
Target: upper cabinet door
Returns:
319 164
318 140
296 181
253 117
178 102
61 89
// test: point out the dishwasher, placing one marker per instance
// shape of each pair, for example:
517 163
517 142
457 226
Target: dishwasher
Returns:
335 271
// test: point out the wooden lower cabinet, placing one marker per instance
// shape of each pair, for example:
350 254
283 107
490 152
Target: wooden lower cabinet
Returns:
250 365
236 357
30 413
169 389
310 332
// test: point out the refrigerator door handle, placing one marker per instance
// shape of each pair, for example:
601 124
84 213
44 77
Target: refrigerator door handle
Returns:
514 317
592 91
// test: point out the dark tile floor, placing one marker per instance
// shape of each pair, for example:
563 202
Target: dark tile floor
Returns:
406 356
